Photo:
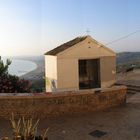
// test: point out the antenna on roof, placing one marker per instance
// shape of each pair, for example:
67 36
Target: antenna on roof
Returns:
88 31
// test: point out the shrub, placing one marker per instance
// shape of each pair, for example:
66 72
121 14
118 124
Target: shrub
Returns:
10 83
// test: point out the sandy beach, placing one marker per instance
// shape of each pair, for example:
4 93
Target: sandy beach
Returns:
36 74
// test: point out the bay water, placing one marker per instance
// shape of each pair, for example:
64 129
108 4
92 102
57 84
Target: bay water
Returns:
20 67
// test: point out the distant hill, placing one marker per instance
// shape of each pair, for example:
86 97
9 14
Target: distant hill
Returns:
125 57
125 60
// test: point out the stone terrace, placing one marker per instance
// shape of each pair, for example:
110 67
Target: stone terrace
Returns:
120 123
64 103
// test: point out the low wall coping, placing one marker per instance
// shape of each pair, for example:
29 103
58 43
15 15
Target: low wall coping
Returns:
59 94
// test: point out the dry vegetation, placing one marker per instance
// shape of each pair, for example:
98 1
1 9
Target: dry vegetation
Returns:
25 129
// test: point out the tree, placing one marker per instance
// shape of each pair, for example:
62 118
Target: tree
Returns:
11 83
4 67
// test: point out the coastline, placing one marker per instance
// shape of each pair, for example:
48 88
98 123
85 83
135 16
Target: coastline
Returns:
35 74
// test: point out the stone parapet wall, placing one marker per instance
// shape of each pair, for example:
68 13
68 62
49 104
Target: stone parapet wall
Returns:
43 105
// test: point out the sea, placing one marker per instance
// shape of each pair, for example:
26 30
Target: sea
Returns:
20 67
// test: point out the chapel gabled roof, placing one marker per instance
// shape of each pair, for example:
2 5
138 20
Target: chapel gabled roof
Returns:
66 45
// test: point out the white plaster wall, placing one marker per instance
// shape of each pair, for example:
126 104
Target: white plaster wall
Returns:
51 72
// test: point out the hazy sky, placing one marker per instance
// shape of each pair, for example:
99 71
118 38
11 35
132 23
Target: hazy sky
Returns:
31 27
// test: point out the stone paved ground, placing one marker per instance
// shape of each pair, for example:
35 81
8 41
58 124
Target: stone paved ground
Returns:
121 123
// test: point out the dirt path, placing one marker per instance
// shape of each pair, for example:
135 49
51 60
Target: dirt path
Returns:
134 98
132 78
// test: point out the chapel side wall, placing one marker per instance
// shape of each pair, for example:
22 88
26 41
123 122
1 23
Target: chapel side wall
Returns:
51 73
